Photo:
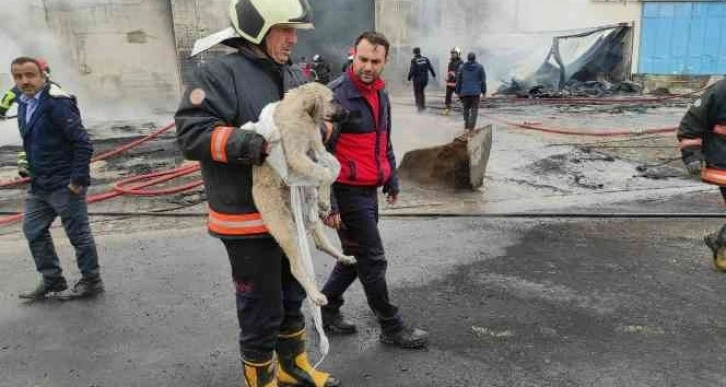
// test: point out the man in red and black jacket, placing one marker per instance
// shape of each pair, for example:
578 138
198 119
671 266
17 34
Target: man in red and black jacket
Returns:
363 147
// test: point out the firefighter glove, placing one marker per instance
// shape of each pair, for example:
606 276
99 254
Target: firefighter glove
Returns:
693 159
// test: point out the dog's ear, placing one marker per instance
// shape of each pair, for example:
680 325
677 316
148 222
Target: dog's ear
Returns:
315 106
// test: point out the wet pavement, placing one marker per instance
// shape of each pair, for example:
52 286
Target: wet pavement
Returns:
508 303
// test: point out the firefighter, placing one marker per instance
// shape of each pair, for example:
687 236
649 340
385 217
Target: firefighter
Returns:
702 141
321 68
419 74
7 101
349 60
454 63
224 94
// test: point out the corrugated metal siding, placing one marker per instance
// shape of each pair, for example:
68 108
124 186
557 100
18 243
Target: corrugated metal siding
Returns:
683 38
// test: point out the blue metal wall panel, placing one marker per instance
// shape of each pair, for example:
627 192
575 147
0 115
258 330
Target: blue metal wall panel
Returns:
683 38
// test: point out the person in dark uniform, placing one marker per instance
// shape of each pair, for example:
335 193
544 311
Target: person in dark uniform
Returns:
224 94
419 74
321 69
452 71
702 141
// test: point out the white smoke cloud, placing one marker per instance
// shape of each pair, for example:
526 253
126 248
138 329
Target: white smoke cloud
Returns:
510 37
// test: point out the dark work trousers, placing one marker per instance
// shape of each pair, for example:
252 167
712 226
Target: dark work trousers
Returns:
41 209
471 110
419 96
360 238
269 298
449 93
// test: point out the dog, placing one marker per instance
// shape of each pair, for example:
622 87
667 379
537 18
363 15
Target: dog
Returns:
298 118
717 243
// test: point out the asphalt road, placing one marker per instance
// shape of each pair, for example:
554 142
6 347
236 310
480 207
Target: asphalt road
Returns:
507 302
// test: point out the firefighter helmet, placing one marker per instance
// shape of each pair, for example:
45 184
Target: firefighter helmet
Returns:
252 19
456 50
43 65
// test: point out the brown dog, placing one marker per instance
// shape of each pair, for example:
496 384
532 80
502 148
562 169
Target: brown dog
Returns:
298 118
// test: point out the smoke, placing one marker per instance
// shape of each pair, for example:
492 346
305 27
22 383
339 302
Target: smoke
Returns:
72 34
510 37
24 32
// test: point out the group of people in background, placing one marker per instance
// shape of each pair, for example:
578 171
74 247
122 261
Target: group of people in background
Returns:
465 79
317 71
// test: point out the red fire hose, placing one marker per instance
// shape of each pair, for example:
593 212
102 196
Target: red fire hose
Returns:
105 155
597 133
159 177
118 190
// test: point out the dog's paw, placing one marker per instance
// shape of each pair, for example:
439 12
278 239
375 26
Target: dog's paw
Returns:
318 299
329 177
347 260
323 214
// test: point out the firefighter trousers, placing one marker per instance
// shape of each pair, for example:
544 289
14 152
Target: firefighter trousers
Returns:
269 298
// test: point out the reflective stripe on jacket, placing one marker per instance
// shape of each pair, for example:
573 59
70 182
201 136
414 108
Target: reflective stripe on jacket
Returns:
225 93
704 126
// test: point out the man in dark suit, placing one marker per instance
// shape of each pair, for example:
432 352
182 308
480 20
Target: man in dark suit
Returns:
58 153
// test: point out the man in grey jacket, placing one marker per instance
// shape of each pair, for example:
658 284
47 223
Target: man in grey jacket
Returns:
471 84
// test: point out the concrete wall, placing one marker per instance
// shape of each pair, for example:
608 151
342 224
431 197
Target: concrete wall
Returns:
118 56
337 24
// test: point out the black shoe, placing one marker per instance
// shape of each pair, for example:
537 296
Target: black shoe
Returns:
710 241
44 289
334 322
407 338
85 287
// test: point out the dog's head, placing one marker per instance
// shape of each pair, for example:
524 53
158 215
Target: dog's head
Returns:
319 102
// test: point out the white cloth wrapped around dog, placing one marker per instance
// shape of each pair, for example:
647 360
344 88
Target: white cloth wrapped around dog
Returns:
303 200
276 159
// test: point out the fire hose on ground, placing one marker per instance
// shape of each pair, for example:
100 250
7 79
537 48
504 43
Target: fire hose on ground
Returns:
105 155
434 215
122 188
596 133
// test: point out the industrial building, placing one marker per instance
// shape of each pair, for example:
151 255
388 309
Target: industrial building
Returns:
137 50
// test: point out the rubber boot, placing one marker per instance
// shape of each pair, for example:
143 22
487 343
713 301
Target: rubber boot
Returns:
446 111
294 368
259 374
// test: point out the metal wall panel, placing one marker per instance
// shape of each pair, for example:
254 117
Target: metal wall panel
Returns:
686 38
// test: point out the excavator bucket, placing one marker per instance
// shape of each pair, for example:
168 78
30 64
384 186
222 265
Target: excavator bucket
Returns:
460 164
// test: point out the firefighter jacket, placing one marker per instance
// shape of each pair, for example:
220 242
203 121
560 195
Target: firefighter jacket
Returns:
419 70
362 144
7 100
452 71
56 144
223 94
702 133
